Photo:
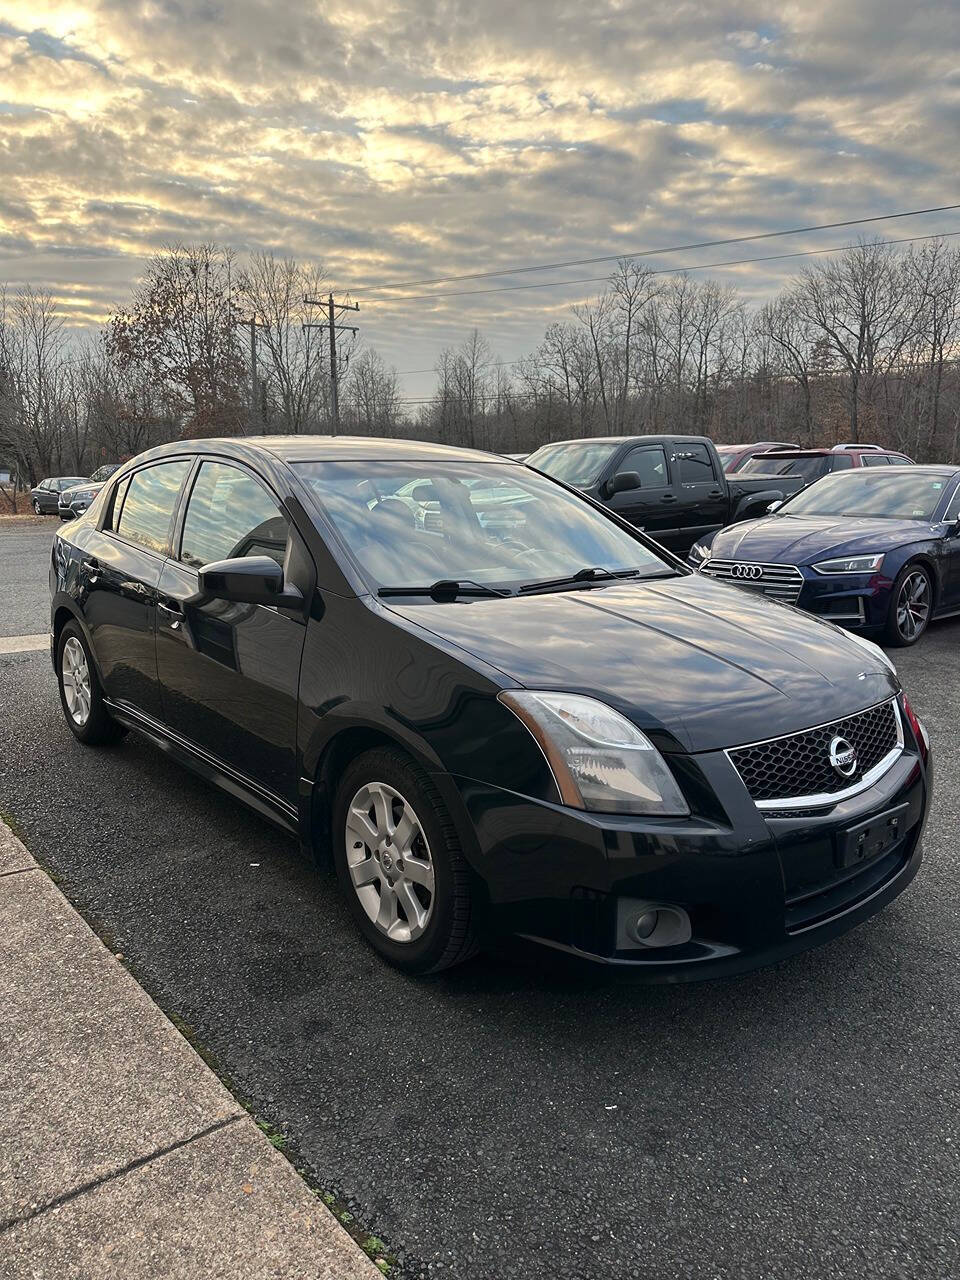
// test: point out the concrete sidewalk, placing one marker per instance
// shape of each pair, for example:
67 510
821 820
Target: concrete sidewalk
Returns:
121 1153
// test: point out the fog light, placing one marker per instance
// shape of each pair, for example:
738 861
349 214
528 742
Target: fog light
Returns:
650 924
643 926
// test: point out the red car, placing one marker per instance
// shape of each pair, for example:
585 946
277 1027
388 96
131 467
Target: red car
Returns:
733 456
813 464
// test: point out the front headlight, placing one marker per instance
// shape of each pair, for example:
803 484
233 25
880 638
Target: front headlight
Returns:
850 564
600 760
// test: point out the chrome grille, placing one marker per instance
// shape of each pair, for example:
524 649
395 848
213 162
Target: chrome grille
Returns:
778 581
796 768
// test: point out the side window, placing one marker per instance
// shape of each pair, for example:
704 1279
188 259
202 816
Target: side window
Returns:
694 464
116 503
148 504
875 460
842 462
953 510
229 515
650 464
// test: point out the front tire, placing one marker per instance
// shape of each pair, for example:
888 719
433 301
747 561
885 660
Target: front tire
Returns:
911 606
38 510
80 694
399 863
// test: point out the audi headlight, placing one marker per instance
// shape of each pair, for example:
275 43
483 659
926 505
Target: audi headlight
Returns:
600 760
698 553
850 564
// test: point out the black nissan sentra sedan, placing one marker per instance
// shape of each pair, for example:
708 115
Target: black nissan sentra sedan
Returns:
555 730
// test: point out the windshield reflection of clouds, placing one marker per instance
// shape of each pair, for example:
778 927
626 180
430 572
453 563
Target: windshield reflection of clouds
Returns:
907 497
415 523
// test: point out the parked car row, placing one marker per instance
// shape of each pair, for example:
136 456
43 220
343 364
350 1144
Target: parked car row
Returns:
672 487
545 725
69 496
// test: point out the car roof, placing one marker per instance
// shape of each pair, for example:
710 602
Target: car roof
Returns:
327 449
642 439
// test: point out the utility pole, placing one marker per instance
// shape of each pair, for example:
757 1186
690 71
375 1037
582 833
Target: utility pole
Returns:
253 325
333 328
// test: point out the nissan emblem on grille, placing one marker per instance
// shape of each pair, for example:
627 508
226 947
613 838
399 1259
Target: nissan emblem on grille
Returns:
746 571
843 757
822 760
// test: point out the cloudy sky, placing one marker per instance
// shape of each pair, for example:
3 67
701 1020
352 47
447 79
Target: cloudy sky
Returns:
395 140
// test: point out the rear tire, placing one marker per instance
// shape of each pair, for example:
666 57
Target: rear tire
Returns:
38 510
911 606
80 693
399 863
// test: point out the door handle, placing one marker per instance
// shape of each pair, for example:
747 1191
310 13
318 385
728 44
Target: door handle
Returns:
716 493
173 612
91 571
669 497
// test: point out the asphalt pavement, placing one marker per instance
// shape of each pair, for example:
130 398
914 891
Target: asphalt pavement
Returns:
508 1118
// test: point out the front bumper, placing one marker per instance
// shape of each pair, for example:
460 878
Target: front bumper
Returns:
756 887
859 601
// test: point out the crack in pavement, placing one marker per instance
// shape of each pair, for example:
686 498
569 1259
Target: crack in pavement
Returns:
131 1165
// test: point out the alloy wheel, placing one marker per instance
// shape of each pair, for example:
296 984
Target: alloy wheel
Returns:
913 605
36 506
389 862
75 679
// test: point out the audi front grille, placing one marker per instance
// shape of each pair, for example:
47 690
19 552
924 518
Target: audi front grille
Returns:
782 582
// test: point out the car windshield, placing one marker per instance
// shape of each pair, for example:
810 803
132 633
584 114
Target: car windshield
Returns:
809 468
896 495
483 524
578 464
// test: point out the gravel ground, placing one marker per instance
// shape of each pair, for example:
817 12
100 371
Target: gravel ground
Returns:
508 1119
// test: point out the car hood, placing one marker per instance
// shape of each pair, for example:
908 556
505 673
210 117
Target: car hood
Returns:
91 487
786 539
696 664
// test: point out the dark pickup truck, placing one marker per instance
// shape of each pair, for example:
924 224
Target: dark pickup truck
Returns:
672 487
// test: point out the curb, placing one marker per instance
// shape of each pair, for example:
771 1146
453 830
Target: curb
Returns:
121 1152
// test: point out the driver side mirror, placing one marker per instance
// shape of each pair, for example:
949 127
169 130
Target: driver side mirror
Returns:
953 530
248 580
623 481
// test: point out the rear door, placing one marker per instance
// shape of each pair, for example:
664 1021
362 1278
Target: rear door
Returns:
121 571
653 507
702 491
230 673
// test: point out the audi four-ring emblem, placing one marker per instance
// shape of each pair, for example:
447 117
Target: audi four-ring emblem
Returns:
753 571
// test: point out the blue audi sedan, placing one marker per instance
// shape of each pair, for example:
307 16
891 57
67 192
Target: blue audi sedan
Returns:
876 550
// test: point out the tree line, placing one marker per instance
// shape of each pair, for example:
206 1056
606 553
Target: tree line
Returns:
861 346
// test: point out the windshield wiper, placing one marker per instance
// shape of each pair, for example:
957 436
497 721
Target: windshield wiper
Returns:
594 573
447 589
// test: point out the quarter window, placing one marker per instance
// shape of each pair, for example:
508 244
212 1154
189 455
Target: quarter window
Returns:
694 464
650 465
875 460
230 515
149 504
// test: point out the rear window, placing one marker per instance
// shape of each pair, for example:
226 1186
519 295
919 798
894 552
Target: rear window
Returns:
148 507
811 468
694 464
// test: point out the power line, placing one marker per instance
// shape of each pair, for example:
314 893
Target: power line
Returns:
646 253
663 271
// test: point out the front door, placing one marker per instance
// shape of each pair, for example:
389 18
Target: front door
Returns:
652 507
229 673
